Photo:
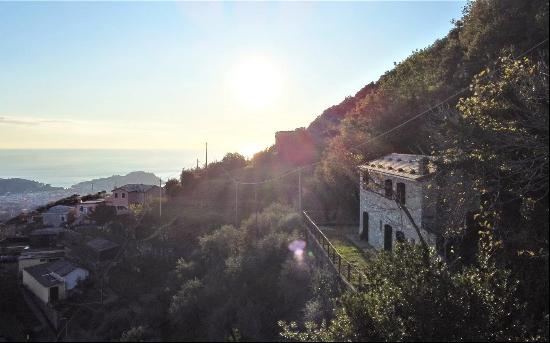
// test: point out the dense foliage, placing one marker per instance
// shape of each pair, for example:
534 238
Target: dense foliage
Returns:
242 279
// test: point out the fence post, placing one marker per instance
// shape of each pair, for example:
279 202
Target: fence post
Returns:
349 272
340 264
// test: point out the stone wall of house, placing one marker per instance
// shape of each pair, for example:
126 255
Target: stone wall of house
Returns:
383 211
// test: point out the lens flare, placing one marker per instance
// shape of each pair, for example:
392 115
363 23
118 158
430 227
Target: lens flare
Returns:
298 247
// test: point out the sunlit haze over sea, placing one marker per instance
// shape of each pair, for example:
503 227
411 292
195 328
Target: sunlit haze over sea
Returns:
64 168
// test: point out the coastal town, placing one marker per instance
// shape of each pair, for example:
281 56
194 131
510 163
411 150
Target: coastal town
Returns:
57 252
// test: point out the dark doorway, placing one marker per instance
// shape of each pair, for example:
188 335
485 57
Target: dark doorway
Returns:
54 294
388 237
365 232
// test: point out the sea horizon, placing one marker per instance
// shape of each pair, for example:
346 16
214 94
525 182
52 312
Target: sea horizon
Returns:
66 167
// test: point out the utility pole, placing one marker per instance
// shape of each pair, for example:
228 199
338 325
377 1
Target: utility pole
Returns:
92 188
300 189
160 197
197 164
256 205
236 204
206 163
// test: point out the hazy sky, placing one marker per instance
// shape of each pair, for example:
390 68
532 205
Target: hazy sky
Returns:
173 75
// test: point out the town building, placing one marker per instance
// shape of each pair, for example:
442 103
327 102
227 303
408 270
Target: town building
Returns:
46 237
53 281
57 215
85 208
101 249
33 257
397 199
133 194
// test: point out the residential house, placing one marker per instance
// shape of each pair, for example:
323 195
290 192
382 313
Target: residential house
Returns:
132 194
45 238
53 281
57 215
33 257
397 200
84 208
101 249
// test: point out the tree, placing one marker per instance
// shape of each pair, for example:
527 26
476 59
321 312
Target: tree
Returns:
403 299
137 334
499 138
102 214
173 188
233 160
188 179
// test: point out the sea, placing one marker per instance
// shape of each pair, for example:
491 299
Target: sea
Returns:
66 167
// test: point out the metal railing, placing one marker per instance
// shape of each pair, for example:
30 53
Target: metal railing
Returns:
347 271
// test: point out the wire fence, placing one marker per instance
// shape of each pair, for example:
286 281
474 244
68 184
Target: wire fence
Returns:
347 271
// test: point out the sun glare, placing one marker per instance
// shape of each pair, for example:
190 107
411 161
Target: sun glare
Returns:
255 82
250 149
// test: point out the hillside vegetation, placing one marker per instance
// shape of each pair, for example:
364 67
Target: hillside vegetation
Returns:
17 185
477 100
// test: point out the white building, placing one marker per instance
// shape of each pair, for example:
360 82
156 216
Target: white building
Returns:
57 215
51 282
397 195
84 208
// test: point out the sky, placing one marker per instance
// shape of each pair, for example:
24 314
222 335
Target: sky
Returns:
173 75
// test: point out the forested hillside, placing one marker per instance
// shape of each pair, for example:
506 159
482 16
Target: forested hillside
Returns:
16 185
476 100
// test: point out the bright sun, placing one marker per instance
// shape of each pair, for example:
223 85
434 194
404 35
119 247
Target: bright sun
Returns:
255 82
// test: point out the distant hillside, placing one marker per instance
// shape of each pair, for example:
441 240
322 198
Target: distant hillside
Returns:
17 185
108 183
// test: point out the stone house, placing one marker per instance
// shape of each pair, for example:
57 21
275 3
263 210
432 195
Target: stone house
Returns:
397 197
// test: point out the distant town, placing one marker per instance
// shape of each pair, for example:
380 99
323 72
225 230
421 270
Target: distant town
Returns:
19 195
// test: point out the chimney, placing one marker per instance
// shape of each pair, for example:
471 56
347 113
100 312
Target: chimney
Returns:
423 166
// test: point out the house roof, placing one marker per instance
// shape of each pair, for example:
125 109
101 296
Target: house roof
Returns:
47 231
59 209
32 254
50 274
135 187
61 268
91 202
45 277
101 244
403 165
